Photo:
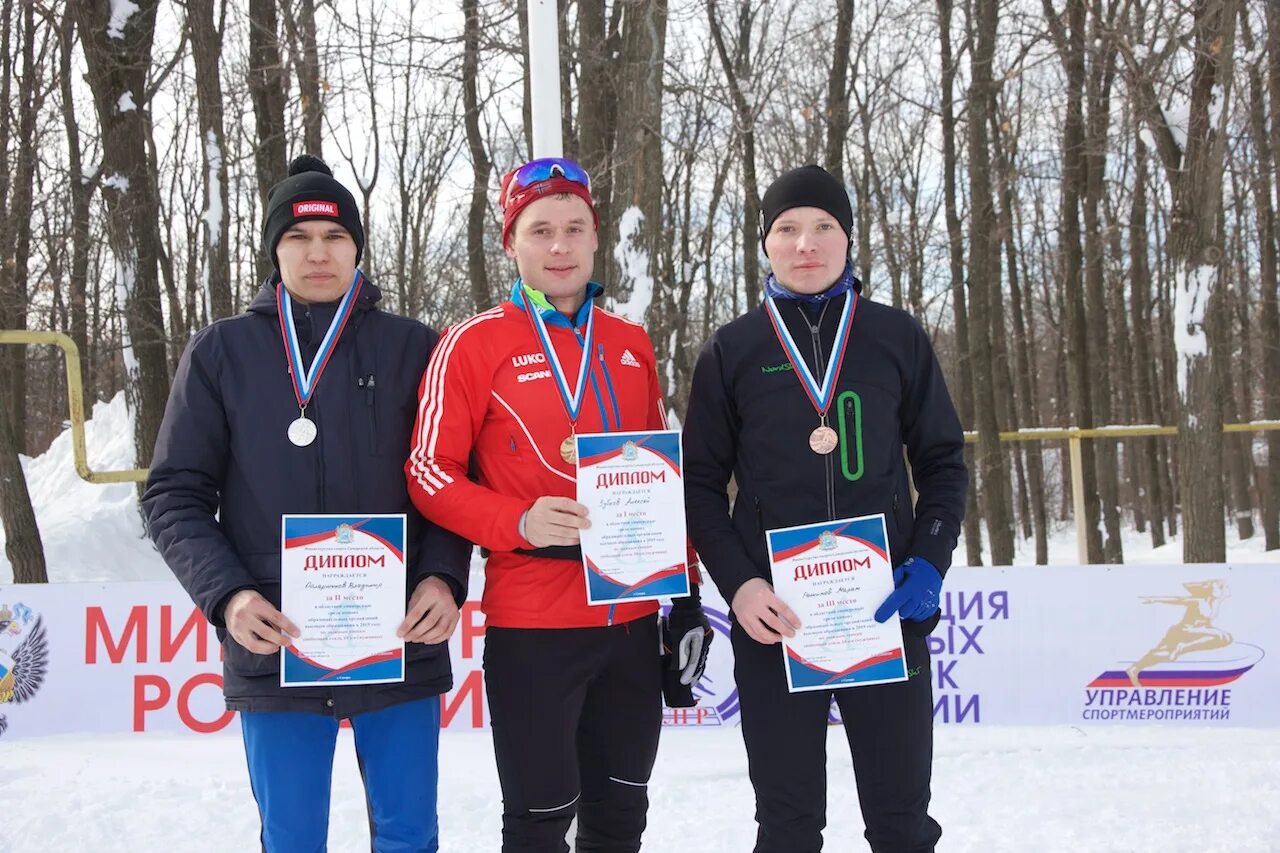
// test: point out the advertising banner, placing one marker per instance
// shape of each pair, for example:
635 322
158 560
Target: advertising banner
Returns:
1081 645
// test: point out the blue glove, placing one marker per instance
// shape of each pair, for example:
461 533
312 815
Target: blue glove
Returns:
916 597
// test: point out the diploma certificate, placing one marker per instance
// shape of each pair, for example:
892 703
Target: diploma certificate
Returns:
633 488
343 584
834 575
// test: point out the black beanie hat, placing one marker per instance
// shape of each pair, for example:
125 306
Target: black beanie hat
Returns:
310 192
807 186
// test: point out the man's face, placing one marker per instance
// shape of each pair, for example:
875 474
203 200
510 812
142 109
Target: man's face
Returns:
317 260
554 244
807 249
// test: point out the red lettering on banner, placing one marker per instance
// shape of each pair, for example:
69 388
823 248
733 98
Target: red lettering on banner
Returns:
95 626
141 704
184 705
170 644
472 627
688 716
152 693
472 687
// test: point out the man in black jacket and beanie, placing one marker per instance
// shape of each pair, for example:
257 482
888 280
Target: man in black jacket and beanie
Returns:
304 405
807 402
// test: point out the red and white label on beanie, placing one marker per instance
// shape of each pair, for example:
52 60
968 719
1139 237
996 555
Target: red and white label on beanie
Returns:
315 208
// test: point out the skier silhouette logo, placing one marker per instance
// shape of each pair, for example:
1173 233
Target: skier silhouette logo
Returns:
1194 651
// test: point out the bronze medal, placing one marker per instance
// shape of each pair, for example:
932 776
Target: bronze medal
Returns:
823 440
569 451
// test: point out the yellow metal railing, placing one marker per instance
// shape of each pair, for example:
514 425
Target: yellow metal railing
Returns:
1074 437
75 404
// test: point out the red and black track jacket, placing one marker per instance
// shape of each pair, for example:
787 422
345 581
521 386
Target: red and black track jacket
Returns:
487 445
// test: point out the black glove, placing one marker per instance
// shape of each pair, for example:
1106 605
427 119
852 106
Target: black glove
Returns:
686 639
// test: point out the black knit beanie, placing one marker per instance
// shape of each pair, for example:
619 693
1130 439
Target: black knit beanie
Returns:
310 192
807 186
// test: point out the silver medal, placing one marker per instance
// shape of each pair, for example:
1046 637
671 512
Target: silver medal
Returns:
302 431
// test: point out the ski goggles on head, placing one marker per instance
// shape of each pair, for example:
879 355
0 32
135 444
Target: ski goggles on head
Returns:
546 169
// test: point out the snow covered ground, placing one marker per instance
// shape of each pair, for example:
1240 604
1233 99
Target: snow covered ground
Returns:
1122 788
995 789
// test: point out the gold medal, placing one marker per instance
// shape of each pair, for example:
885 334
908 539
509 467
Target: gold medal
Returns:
823 440
569 451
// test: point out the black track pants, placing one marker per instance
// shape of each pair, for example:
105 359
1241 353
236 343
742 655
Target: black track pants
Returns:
576 714
890 733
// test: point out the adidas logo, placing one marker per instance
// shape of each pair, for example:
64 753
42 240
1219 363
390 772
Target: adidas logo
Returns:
629 360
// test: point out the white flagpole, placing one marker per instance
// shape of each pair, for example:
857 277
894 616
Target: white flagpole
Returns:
544 78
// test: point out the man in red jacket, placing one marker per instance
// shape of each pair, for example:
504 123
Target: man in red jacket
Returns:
574 689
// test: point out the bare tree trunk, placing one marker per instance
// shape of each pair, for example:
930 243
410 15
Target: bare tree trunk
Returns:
838 91
972 519
1071 49
1031 499
1003 219
984 277
735 70
1268 146
206 51
597 103
1235 449
22 547
118 58
369 149
267 89
481 295
1024 334
16 245
1097 345
301 25
635 234
178 330
81 187
1140 308
1195 250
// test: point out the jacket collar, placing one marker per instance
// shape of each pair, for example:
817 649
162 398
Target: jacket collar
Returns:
522 295
265 301
847 281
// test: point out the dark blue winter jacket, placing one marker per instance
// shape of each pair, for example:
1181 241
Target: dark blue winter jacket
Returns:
224 473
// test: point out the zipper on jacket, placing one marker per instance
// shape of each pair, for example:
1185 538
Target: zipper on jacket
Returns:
815 329
318 444
369 383
595 386
608 381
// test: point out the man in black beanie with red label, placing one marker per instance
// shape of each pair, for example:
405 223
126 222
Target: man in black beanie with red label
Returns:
304 405
809 412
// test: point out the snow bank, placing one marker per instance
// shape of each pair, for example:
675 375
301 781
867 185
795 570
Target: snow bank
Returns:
90 532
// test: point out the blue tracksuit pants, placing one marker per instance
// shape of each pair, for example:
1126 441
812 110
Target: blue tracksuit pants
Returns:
290 758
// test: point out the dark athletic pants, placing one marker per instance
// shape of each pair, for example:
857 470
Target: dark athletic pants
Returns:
890 733
576 714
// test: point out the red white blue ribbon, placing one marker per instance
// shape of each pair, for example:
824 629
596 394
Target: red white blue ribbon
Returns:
820 393
570 397
304 381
